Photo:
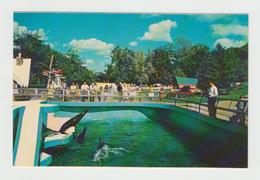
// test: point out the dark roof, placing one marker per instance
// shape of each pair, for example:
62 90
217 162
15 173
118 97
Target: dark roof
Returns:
186 81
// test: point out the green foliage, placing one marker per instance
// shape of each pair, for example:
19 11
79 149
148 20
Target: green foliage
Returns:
31 46
161 65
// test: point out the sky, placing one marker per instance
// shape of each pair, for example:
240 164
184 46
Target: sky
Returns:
95 34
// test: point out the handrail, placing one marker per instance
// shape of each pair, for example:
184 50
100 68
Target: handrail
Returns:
114 96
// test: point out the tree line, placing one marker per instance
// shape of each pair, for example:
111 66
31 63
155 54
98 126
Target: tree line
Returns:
182 59
161 65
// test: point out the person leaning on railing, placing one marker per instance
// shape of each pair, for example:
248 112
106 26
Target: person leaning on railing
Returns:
120 92
84 90
78 94
161 95
241 104
93 90
67 94
106 92
150 94
99 93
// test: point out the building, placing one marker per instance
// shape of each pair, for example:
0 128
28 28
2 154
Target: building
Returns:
21 72
183 81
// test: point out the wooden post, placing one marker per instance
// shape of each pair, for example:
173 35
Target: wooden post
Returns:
50 71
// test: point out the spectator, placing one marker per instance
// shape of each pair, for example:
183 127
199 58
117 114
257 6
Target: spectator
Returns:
84 91
73 90
77 85
213 93
241 104
105 92
78 94
99 93
50 86
120 92
67 93
93 90
161 95
73 86
151 94
62 86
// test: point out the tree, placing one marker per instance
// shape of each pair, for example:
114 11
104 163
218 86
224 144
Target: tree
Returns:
30 45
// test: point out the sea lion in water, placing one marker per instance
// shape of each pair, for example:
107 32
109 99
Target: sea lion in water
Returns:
73 121
81 136
101 143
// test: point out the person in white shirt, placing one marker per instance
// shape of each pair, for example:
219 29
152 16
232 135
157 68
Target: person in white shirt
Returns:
84 90
93 89
213 93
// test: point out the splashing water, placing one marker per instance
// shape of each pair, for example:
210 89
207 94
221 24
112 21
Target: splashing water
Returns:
106 152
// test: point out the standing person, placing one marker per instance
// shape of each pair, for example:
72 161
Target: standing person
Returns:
241 104
84 89
161 94
77 85
99 93
105 92
132 93
67 93
125 91
151 94
93 89
73 86
73 90
213 93
62 86
120 92
140 91
78 94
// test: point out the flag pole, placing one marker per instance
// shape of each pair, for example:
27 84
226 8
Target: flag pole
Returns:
50 71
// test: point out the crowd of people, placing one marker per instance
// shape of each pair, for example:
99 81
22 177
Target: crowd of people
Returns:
86 92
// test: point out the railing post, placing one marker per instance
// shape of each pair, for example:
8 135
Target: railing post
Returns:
36 93
200 103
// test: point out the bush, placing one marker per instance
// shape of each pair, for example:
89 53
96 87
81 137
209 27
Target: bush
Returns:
38 86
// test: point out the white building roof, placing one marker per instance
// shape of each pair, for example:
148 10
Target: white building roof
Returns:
21 74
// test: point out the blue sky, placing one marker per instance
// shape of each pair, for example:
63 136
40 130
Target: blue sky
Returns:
95 34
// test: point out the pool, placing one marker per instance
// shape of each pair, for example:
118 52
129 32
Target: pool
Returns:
167 139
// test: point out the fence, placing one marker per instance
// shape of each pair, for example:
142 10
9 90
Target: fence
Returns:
226 108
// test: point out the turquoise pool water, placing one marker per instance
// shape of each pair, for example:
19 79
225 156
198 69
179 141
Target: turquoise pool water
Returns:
133 140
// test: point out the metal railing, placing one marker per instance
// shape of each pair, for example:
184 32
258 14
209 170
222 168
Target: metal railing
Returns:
225 107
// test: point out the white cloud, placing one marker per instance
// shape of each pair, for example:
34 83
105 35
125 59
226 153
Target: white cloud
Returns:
230 42
159 31
107 61
133 43
51 45
228 29
20 29
100 47
89 61
212 17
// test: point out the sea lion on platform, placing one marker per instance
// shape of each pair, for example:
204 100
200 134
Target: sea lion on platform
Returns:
73 121
81 136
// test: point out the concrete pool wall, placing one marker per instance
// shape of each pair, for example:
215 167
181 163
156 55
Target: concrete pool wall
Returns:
158 112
